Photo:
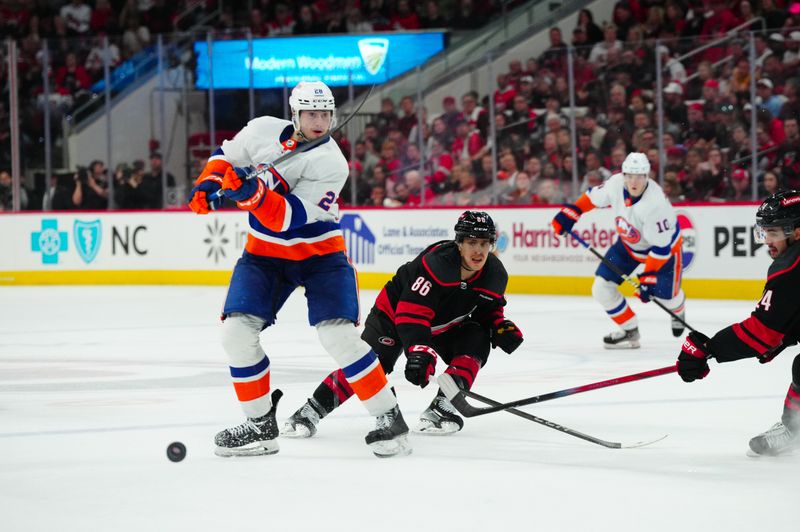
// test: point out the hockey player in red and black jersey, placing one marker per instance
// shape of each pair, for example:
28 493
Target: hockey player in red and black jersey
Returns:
772 326
448 302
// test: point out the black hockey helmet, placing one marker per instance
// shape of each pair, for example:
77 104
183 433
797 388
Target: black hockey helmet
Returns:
781 209
475 224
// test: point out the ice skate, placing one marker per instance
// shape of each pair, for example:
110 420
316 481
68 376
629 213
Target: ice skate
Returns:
390 437
775 441
440 418
256 436
678 327
622 339
303 423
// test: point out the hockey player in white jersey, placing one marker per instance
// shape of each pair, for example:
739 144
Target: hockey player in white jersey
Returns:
648 234
293 240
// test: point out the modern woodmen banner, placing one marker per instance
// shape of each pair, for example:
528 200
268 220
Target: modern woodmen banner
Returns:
722 260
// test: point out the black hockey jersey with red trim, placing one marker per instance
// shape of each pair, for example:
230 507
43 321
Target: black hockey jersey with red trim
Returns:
427 297
775 317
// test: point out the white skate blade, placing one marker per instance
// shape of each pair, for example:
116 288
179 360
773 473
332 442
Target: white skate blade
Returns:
622 345
398 446
254 449
425 426
765 456
295 431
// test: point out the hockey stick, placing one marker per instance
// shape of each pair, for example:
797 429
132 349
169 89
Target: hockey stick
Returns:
458 397
562 428
304 148
613 267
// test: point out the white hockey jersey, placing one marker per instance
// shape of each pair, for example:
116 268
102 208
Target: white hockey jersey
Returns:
297 218
647 225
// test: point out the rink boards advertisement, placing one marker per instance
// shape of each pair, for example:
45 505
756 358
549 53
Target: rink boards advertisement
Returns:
720 256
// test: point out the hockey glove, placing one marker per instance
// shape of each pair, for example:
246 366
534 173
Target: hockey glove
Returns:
200 194
420 365
693 360
563 221
507 336
647 283
245 191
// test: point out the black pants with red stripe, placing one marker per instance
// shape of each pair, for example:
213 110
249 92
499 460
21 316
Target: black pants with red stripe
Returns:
465 349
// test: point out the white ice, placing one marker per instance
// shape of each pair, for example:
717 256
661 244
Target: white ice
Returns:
96 381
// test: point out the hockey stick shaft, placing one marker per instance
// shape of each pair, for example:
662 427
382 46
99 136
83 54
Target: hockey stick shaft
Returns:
550 424
457 396
304 148
613 267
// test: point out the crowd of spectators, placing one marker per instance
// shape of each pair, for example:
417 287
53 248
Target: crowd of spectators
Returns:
75 32
706 101
706 97
136 186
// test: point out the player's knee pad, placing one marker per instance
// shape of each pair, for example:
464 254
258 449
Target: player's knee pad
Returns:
606 292
240 339
472 340
341 340
796 371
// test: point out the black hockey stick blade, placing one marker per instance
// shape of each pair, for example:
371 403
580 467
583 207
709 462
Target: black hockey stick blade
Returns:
567 430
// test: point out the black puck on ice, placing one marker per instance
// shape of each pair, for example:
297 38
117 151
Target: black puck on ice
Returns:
176 451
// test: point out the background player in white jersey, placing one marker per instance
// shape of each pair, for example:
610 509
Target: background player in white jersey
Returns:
648 234
293 241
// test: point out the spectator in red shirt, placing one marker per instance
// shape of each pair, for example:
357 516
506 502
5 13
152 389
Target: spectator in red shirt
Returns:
467 143
504 94
389 157
404 18
414 182
73 76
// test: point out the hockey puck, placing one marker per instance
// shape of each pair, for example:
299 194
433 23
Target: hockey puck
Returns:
176 451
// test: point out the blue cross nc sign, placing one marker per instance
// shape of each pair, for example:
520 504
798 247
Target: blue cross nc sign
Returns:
49 241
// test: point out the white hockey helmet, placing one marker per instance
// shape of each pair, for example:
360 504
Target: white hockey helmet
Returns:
311 95
636 163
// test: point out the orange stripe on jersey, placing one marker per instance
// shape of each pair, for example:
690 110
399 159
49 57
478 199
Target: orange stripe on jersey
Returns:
653 264
214 166
625 316
247 391
299 251
272 211
370 384
584 203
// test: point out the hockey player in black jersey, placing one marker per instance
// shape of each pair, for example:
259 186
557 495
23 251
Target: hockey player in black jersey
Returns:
447 302
772 326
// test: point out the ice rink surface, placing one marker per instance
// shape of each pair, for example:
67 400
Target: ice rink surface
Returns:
96 381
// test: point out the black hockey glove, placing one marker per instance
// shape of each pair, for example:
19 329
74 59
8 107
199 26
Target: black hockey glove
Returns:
693 359
420 364
507 336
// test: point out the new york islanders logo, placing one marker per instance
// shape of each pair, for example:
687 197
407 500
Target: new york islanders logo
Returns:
689 234
628 233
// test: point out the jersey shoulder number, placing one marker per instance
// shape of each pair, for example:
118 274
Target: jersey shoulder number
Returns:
766 301
421 285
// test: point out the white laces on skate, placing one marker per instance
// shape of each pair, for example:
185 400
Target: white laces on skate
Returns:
240 430
446 406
